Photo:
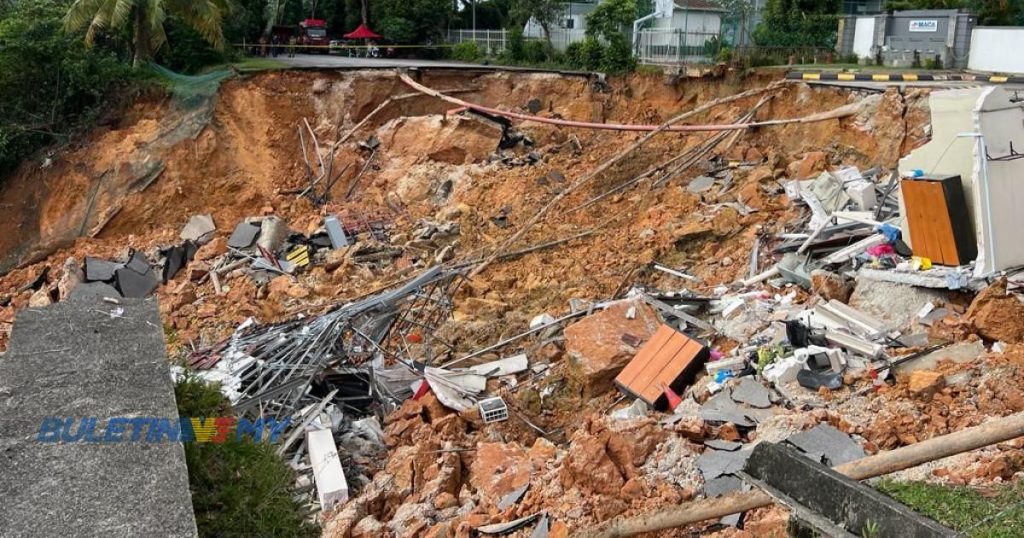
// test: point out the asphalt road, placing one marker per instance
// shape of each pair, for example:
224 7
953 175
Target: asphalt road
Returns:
326 61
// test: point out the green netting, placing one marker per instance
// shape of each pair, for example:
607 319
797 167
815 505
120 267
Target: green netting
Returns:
192 90
193 98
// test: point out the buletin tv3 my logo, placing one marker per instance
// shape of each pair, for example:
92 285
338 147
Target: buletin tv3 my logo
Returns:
158 429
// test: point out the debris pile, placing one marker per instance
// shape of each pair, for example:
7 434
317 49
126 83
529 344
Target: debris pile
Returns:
476 324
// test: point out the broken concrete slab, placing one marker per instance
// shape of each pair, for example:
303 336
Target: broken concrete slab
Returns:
335 232
68 361
273 232
199 229
752 393
93 290
833 504
718 444
133 284
716 463
700 184
331 486
826 443
244 235
723 485
98 270
959 353
896 304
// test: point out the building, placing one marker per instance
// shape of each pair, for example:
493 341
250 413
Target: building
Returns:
937 37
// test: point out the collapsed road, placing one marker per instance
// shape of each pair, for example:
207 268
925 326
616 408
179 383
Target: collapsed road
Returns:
529 304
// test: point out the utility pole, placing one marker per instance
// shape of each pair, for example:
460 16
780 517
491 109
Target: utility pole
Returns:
474 20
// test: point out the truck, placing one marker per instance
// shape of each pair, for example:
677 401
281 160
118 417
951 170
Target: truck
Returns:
314 32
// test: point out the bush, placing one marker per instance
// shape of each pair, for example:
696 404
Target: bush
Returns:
467 51
50 84
516 43
535 52
239 488
618 55
587 54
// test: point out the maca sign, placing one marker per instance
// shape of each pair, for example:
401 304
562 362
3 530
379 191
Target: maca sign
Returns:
158 429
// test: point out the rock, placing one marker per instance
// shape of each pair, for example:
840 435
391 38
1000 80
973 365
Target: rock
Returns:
212 249
283 285
632 490
558 530
959 353
926 382
445 500
595 344
480 307
809 165
273 232
72 277
498 469
997 315
367 527
830 285
40 298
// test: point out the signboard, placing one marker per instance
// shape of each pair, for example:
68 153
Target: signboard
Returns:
924 25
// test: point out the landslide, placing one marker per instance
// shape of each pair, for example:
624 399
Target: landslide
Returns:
137 180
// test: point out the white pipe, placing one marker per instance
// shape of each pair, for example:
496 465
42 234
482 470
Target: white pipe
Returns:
636 28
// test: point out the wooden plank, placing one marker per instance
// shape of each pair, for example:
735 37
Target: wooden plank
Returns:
653 369
644 354
672 368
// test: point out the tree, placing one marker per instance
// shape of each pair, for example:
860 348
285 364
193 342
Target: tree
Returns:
544 12
49 83
147 18
411 21
611 17
798 23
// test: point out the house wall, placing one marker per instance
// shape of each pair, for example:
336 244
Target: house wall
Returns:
992 188
999 192
998 50
863 37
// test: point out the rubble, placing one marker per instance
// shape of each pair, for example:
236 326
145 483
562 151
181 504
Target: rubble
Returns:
459 342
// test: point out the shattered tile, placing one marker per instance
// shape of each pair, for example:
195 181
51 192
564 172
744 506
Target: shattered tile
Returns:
718 444
243 236
752 393
715 463
827 444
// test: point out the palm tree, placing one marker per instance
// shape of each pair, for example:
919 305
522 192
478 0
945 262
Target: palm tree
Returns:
147 16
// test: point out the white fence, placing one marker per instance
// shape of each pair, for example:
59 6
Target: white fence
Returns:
997 50
654 46
489 41
671 46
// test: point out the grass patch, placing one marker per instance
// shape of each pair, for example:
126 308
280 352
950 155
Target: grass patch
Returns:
250 64
239 488
995 514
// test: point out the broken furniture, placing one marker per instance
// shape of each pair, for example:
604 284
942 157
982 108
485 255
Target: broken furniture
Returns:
938 221
669 359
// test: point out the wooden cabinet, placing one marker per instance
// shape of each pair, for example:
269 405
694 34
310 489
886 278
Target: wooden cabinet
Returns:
937 218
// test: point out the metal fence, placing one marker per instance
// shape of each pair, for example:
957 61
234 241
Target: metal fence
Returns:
675 46
489 41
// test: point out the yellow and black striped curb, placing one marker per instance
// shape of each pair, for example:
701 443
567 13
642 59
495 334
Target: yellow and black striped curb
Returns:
905 77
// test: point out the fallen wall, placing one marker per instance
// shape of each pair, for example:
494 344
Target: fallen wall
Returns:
992 50
73 360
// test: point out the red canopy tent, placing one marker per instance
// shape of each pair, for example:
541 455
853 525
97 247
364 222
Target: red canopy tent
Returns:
362 32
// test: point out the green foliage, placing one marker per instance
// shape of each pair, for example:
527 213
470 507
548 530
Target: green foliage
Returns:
615 55
534 52
411 21
544 12
998 514
146 18
798 23
587 54
618 55
516 43
186 50
239 488
467 51
398 30
490 15
50 85
611 17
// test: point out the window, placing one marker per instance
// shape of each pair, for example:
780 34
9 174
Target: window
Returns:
569 23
